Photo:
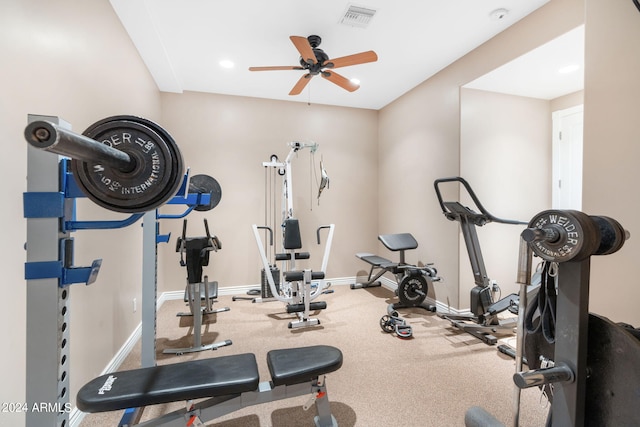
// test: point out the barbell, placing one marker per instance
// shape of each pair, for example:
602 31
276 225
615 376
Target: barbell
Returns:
122 163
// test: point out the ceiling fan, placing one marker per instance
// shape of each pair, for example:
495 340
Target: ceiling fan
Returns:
315 61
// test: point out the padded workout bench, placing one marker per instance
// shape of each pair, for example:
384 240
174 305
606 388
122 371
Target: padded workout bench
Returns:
394 242
229 382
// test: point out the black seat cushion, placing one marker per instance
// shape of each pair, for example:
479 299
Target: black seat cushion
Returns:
298 276
227 375
375 260
298 365
399 241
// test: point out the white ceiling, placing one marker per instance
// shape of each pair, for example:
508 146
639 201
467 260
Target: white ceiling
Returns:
182 43
549 71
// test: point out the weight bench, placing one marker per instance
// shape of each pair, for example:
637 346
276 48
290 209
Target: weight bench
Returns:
228 383
400 242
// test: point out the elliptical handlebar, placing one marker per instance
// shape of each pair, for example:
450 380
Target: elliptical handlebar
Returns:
478 218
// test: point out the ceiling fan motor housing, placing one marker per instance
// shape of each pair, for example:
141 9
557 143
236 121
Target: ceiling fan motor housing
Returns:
321 58
314 41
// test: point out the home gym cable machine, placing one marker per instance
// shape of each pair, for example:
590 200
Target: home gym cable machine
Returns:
296 288
589 362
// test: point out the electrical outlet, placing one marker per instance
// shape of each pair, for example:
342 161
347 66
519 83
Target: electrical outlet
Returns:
135 305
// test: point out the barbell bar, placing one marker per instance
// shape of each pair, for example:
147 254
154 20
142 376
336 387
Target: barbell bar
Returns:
50 137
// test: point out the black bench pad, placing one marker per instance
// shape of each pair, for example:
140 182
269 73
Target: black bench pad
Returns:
298 276
296 255
298 365
169 383
375 260
399 241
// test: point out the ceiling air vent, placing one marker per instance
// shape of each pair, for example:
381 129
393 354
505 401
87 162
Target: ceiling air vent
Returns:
357 16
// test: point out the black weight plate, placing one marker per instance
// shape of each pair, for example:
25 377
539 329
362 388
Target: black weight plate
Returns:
413 290
578 238
204 184
157 174
613 358
612 235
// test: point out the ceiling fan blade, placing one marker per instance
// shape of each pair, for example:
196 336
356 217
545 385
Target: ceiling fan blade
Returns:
341 81
284 67
355 59
303 46
304 80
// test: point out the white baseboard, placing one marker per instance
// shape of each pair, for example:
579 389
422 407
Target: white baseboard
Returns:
76 416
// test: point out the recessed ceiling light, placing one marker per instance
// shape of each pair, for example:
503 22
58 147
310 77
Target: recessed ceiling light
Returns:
225 63
569 69
499 14
356 81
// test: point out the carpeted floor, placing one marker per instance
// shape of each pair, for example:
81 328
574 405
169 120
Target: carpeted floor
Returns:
429 380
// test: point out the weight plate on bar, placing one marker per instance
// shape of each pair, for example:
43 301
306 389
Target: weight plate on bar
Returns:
612 235
156 175
412 290
568 235
204 184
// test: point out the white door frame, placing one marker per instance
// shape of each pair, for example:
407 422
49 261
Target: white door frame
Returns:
567 158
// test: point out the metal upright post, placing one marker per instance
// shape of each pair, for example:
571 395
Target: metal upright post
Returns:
572 321
149 288
47 311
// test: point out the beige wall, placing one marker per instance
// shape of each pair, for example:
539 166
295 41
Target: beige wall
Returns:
229 137
612 148
420 135
567 101
70 59
505 155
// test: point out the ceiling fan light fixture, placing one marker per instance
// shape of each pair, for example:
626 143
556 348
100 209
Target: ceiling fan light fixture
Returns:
357 16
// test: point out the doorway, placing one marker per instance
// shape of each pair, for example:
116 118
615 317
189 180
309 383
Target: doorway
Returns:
566 177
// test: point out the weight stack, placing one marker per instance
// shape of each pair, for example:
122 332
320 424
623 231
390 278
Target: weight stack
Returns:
265 288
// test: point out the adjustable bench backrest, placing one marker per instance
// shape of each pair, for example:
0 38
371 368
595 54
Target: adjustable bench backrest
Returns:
399 242
292 241
196 250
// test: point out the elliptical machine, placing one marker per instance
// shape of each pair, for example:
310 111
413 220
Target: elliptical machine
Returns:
483 321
